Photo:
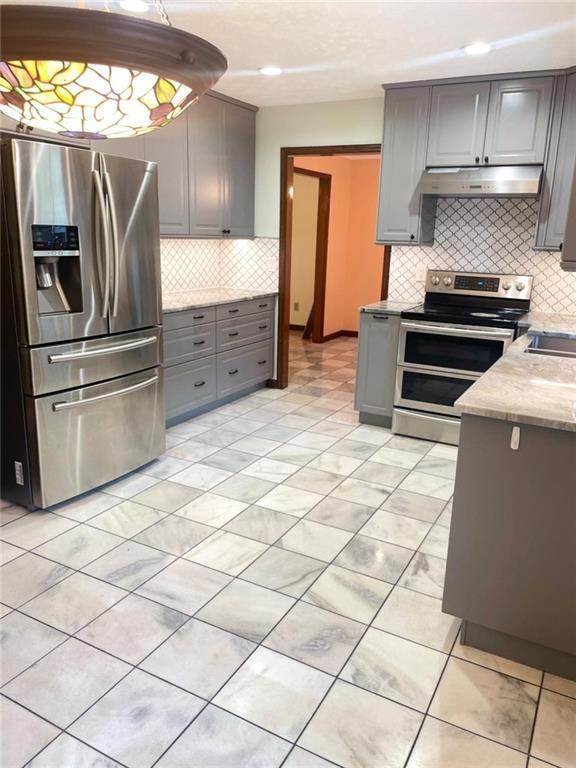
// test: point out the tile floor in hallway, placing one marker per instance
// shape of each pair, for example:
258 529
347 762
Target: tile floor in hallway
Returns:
266 594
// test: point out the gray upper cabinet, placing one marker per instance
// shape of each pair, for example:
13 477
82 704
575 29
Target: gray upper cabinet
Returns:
206 167
457 124
518 120
400 214
131 148
240 159
168 148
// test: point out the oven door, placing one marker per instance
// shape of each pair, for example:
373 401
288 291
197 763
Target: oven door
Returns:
425 390
442 347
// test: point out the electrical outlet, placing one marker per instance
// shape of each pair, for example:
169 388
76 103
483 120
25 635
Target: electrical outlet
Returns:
296 306
421 273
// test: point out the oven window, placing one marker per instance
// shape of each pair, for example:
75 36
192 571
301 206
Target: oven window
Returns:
436 390
456 352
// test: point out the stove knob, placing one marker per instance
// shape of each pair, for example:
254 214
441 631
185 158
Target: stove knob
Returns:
447 281
507 285
435 280
520 285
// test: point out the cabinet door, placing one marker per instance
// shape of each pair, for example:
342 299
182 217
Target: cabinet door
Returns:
206 163
168 147
132 148
518 119
239 160
457 124
377 352
402 162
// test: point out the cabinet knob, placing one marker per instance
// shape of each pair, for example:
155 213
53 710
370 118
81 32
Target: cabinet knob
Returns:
486 159
225 231
477 159
411 237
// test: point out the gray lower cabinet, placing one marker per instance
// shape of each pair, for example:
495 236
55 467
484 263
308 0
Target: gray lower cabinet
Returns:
458 115
186 317
402 212
189 386
376 372
244 367
232 333
243 308
191 343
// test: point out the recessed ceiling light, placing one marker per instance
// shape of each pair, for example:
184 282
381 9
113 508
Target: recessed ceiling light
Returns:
271 71
136 6
477 49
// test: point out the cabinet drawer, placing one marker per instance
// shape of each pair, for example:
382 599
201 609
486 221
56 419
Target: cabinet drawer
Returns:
245 367
191 343
189 386
188 317
234 333
241 308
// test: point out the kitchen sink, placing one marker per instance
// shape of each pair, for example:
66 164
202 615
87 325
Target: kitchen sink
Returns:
555 346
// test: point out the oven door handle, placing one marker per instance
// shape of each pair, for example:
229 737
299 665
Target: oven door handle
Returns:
458 331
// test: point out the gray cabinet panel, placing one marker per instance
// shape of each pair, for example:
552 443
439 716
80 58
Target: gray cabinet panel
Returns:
457 124
518 119
206 164
240 148
168 147
242 308
190 343
186 317
132 148
402 162
377 352
189 386
232 333
244 368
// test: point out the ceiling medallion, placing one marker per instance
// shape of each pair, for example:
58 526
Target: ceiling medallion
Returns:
97 75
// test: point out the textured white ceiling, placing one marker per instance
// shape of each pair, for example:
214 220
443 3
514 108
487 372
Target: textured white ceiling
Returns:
344 49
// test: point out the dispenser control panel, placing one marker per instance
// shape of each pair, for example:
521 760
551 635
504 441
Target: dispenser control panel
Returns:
55 240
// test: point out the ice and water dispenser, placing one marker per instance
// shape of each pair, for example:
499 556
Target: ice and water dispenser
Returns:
56 252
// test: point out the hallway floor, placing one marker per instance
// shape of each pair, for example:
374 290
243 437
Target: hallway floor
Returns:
266 594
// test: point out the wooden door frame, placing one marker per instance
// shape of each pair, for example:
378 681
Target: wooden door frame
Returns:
287 155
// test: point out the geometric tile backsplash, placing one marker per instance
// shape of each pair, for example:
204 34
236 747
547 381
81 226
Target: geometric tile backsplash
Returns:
491 235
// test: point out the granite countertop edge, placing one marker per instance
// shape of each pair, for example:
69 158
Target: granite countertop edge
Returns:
392 306
178 302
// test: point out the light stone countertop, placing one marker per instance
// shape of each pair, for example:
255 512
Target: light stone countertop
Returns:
549 324
529 388
208 297
392 306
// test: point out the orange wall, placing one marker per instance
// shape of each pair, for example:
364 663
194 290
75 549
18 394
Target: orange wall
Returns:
354 267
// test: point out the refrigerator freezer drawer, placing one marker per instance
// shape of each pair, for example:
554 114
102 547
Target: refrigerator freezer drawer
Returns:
86 437
75 364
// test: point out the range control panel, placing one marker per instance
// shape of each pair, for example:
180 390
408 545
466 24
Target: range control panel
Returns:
479 284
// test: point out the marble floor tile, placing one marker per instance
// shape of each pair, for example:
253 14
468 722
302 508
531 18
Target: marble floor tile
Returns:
554 739
301 758
497 663
397 529
132 628
412 444
137 720
348 593
229 459
34 529
227 552
294 454
436 542
262 524
257 446
166 466
184 586
559 685
276 432
443 745
201 476
175 535
445 518
270 470
130 485
10 512
85 507
221 437
246 610
66 751
381 474
313 440
368 434
127 519
332 429
444 451
354 448
212 509
187 429
26 736
244 425
63 684
199 658
297 422
9 552
395 668
79 546
341 514
192 450
314 480
243 488
358 729
428 485
436 465
396 458
274 692
317 637
374 558
15 653
315 540
418 617
361 492
73 603
488 703
287 572
28 576
239 744
166 496
129 565
292 501
336 463
425 574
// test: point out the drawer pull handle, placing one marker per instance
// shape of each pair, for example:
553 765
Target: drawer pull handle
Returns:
66 356
198 317
262 327
380 317
87 400
199 383
233 372
232 311
199 343
235 333
263 306
262 362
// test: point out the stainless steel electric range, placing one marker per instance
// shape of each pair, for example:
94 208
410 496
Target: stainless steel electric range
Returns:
465 324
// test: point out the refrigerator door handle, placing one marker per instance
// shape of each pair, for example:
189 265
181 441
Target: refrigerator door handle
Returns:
115 246
87 400
104 224
67 356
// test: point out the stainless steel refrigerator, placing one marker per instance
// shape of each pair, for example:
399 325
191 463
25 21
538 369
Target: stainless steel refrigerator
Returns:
82 382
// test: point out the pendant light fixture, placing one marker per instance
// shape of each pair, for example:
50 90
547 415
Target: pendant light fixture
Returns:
94 75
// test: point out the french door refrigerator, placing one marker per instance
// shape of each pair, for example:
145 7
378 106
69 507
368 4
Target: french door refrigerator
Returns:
82 381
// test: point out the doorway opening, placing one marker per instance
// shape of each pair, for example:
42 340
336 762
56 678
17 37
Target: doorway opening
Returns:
329 264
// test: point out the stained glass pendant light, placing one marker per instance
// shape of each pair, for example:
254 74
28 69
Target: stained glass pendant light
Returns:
90 74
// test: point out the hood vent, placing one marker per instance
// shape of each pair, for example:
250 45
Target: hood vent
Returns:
482 181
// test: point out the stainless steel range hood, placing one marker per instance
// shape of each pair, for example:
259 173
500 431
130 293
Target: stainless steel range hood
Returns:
483 181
